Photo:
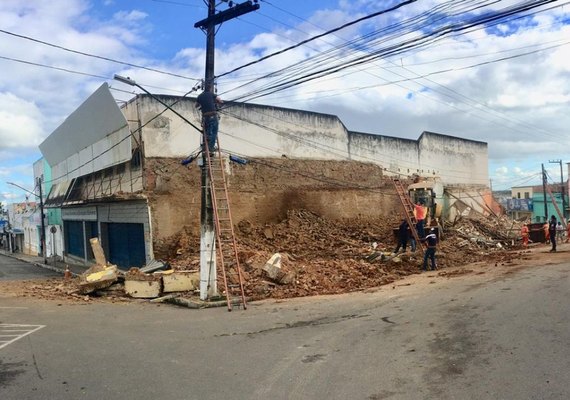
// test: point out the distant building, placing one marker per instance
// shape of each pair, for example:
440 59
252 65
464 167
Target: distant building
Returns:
527 202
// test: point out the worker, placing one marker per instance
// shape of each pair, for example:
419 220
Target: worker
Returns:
552 232
431 240
559 232
208 103
403 236
420 214
525 234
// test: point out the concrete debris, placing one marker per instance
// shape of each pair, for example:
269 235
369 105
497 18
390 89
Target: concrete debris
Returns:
97 278
273 266
155 265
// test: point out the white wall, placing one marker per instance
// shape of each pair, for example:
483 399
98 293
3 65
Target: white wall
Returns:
54 241
262 131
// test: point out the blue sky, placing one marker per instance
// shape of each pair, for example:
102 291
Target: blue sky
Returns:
507 85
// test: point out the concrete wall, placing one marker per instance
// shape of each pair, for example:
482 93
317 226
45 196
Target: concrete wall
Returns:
265 190
268 132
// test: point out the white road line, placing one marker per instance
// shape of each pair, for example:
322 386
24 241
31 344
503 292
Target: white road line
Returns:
8 328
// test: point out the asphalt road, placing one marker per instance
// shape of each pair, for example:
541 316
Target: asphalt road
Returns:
13 269
471 337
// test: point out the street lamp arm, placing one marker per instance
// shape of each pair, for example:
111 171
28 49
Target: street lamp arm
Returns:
130 82
24 189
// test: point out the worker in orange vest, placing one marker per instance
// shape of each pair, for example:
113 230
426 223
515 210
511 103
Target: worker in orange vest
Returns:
525 235
420 214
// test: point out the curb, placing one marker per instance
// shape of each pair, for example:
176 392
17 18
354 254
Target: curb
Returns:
198 304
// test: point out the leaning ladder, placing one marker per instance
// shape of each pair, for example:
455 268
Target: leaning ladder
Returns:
225 236
408 211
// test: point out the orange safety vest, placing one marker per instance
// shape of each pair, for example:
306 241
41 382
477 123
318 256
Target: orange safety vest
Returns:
420 212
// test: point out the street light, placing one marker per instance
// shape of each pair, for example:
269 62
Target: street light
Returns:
43 227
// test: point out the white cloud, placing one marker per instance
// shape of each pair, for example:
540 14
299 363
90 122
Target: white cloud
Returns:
20 122
518 106
501 171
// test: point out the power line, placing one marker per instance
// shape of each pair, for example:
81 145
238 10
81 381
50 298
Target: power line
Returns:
423 40
105 78
96 56
319 36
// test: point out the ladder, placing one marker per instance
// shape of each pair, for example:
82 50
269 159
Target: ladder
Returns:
408 211
228 260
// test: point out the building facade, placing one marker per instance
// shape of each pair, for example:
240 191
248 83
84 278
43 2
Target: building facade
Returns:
119 175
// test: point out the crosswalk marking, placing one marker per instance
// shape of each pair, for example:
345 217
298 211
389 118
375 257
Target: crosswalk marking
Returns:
9 333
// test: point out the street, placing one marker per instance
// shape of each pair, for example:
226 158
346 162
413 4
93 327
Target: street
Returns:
477 336
13 269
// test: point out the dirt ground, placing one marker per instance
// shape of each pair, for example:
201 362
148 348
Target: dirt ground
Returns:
320 257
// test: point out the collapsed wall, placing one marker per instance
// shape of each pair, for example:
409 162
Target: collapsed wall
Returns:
264 190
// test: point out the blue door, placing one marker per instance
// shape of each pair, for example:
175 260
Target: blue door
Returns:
74 242
126 245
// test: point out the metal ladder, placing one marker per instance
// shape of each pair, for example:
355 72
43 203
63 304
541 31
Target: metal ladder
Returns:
408 211
225 237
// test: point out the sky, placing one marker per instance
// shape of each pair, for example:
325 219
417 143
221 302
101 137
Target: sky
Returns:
506 83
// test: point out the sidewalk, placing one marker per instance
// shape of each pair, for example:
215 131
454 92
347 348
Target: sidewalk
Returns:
76 269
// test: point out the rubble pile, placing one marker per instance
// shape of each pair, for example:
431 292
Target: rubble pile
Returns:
320 256
302 255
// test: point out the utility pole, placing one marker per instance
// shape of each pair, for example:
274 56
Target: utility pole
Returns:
43 234
43 227
544 192
561 185
208 276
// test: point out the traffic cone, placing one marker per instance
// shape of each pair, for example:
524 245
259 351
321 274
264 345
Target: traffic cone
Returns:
67 273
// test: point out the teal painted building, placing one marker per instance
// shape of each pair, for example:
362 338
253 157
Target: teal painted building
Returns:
538 214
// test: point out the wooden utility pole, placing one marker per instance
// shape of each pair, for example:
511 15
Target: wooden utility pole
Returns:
208 279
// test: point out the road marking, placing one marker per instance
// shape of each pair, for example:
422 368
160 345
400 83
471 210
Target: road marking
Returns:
16 332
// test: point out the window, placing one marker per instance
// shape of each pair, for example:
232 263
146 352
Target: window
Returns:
136 159
518 195
526 195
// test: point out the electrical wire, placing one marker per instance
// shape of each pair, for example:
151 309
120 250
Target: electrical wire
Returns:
406 45
96 56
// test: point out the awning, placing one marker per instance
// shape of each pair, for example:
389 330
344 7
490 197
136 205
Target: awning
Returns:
57 194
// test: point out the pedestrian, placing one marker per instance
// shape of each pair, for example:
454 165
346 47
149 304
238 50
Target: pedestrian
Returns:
431 240
559 232
568 231
546 232
525 234
552 232
420 214
208 103
403 236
